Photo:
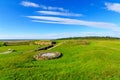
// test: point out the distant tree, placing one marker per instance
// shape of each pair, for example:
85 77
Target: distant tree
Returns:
92 37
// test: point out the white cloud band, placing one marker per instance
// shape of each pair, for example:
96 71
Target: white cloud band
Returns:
58 13
59 20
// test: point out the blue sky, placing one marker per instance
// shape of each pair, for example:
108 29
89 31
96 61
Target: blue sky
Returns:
50 19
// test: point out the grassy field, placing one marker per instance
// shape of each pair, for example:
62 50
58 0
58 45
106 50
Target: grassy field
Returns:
99 60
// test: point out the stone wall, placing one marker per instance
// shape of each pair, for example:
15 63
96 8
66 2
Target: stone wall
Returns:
43 42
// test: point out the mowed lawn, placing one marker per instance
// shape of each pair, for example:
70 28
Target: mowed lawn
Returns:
99 60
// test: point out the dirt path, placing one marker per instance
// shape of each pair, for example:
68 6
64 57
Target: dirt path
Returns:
6 52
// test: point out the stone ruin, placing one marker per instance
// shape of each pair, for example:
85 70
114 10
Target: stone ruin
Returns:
47 55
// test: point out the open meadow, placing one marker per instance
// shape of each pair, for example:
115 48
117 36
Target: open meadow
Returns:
81 60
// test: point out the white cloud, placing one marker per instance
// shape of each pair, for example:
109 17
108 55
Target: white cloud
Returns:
113 6
59 20
58 13
29 4
56 8
52 8
32 4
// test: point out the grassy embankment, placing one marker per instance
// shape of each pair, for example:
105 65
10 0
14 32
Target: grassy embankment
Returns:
99 60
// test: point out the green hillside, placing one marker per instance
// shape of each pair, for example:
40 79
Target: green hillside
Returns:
81 60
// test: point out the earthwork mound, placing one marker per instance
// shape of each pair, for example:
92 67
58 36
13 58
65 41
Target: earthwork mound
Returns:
47 56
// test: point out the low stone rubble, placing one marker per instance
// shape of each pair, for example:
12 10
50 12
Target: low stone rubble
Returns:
47 56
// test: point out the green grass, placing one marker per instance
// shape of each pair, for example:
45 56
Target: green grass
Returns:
1 44
100 60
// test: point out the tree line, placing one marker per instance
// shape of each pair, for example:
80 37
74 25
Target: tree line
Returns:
92 37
